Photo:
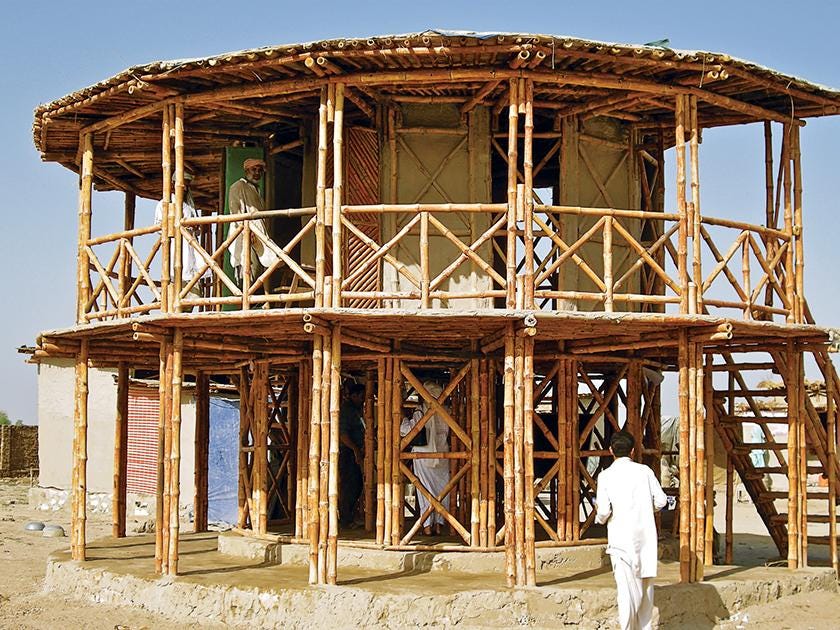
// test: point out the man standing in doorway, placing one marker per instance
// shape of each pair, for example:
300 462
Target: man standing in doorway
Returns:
628 494
351 453
244 198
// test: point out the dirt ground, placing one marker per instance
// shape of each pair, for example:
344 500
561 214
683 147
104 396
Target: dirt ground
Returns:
23 555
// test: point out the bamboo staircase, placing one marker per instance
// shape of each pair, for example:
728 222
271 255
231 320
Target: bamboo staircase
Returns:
821 451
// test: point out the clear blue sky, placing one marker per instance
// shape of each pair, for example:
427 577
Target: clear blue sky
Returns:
53 48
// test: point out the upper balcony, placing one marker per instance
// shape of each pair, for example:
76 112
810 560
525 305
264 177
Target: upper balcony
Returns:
433 172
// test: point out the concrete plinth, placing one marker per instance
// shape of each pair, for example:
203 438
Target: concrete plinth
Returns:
214 587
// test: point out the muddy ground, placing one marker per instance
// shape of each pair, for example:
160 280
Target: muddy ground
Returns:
23 555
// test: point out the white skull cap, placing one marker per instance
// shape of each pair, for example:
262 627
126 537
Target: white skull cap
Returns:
433 388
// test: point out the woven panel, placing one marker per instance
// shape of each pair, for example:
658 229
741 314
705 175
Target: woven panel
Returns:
143 415
362 157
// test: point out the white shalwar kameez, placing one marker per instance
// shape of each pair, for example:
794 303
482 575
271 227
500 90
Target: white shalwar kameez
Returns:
191 260
244 198
628 493
432 473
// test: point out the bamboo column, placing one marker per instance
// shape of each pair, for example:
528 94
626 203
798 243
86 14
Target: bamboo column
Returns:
126 263
796 157
302 459
771 222
85 198
387 453
634 407
682 210
530 576
175 450
484 420
790 272
80 452
512 156
475 451
700 471
397 490
338 195
793 520
335 407
120 453
202 450
246 450
369 485
177 212
730 498
518 457
161 456
526 93
166 200
708 404
802 445
315 458
509 491
561 395
380 449
259 430
607 256
491 458
831 439
685 455
324 464
694 143
320 204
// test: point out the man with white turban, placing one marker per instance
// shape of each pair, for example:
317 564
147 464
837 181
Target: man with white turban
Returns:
433 473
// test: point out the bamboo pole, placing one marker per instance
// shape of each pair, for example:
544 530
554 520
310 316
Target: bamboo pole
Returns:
699 464
80 454
338 195
176 213
475 451
491 460
314 457
530 576
770 214
509 493
518 458
792 455
320 204
380 450
302 461
484 419
166 201
709 432
802 445
512 158
202 446
790 272
561 386
159 515
831 439
129 211
259 415
369 485
527 96
798 229
694 143
167 455
118 508
85 194
324 464
397 493
682 210
425 273
608 264
685 455
574 455
335 408
175 452
387 453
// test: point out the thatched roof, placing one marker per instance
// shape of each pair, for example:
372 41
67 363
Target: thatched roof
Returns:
265 93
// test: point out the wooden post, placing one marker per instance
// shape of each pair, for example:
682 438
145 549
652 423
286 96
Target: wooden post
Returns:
790 272
167 455
380 450
177 212
335 408
80 451
799 305
699 463
518 457
696 241
769 204
315 456
337 197
527 95
160 485
259 429
491 459
320 203
682 210
793 455
175 456
831 439
126 263
85 198
245 426
120 453
510 535
730 498
302 460
634 407
475 451
708 402
202 448
387 453
685 455
324 464
510 252
166 199
397 490
530 576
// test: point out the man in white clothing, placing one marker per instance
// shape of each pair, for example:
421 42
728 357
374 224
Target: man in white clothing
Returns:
244 198
191 259
628 494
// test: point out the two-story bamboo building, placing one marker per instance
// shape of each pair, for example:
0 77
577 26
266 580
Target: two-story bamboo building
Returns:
484 210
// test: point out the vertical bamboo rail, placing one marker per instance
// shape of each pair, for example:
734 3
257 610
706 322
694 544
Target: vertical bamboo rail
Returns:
700 464
129 211
85 199
790 273
475 452
696 241
387 452
166 200
530 576
634 407
608 264
304 421
380 451
314 457
708 403
80 451
159 490
177 213
335 407
320 209
324 463
692 455
574 455
167 454
491 459
685 454
797 227
509 385
769 202
561 383
792 455
397 494
528 190
518 457
338 195
484 470
730 496
201 446
245 425
369 485
512 156
259 478
425 274
831 439
120 453
802 445
682 210
175 452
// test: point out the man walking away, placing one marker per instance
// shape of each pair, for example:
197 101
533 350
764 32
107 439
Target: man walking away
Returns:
628 494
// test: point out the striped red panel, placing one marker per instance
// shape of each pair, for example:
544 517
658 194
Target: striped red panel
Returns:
143 414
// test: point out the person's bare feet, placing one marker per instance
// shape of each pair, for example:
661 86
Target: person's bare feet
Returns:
427 531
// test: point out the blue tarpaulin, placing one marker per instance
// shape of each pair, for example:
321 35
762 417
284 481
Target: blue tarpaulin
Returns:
223 461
